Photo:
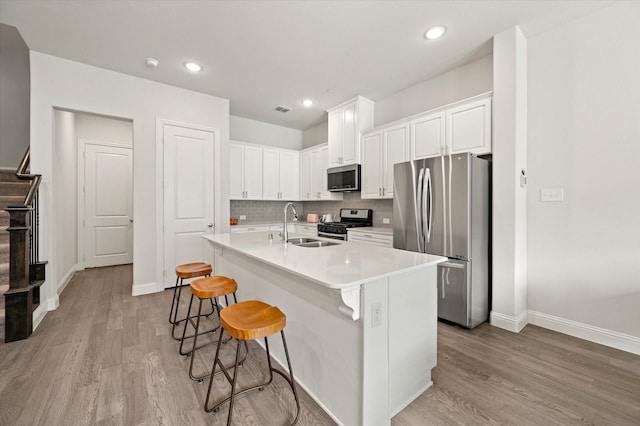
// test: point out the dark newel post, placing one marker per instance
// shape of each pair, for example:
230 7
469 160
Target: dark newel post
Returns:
19 298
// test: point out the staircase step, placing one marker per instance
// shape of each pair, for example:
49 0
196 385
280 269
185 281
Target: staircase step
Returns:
10 201
8 175
19 188
4 253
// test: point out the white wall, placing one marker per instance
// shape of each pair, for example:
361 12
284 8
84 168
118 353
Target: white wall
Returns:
104 129
65 158
315 135
509 232
584 136
14 97
463 82
70 85
252 131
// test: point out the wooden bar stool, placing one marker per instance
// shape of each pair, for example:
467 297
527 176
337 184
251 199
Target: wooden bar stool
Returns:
248 321
183 272
205 288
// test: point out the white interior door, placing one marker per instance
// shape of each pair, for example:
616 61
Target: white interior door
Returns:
108 205
188 197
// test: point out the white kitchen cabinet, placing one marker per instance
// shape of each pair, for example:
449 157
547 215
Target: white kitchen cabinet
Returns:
469 127
346 122
368 237
242 229
461 127
307 230
305 174
320 163
382 149
313 175
280 174
245 172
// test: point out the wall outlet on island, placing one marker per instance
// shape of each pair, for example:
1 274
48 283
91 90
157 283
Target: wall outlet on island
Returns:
243 217
386 220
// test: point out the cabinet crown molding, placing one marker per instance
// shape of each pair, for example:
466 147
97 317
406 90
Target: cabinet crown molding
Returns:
357 98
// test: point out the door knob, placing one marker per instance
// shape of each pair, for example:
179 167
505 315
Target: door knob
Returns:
210 225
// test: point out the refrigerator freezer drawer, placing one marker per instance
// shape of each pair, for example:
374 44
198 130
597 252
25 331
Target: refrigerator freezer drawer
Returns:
454 283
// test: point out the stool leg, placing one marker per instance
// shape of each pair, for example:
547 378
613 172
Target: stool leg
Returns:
216 360
175 313
193 349
184 330
233 385
173 302
292 380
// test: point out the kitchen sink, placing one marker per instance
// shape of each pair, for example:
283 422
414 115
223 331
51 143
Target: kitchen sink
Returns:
310 242
301 240
318 244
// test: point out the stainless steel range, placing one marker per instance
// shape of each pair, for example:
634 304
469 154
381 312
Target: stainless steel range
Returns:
349 218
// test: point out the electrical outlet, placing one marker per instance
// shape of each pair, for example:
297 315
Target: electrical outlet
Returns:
243 217
386 220
553 195
376 315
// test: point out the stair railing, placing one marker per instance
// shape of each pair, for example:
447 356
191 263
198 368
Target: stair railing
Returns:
26 272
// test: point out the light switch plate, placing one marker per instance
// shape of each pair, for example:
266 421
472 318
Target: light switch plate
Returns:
243 217
385 220
552 195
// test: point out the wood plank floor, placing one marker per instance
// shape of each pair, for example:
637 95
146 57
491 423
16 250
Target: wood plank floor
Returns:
105 357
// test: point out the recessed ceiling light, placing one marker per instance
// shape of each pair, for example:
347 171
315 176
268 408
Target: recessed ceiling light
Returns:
193 67
435 32
151 62
307 102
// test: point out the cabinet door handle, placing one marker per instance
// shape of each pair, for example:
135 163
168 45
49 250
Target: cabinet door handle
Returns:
383 191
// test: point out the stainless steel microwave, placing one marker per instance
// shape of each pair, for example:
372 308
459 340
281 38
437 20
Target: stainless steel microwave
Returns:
344 178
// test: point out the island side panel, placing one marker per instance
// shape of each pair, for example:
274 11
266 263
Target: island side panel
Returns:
375 324
325 345
413 327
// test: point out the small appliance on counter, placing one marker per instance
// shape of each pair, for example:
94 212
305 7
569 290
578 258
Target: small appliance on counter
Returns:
312 218
349 218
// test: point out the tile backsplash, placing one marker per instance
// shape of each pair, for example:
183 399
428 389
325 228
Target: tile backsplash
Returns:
272 211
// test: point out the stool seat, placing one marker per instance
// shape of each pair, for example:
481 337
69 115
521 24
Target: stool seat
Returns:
252 320
195 269
206 288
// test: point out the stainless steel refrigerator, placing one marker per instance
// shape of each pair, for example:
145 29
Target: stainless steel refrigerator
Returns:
441 206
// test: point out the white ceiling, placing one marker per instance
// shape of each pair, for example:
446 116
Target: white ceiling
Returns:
260 54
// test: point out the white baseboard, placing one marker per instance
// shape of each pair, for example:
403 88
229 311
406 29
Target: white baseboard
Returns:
38 315
513 324
588 332
284 367
146 288
66 279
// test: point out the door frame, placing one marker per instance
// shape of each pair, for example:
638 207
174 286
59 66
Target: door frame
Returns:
217 211
81 194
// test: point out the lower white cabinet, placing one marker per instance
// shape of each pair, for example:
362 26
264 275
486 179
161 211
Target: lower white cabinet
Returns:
256 228
306 229
375 238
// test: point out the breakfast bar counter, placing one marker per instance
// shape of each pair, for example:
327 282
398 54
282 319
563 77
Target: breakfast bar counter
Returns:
361 319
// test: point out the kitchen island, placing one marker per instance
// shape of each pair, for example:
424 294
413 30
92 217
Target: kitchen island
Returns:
361 319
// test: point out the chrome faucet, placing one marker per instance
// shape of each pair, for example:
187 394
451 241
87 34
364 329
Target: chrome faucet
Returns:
285 232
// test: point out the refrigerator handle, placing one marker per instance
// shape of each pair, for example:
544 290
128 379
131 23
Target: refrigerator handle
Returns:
420 212
427 203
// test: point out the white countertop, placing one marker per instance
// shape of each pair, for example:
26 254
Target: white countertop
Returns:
341 266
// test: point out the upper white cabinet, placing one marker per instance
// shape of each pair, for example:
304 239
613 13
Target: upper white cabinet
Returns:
305 174
245 176
346 122
469 127
313 174
461 127
280 174
382 149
